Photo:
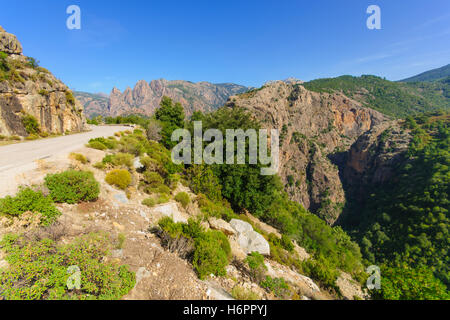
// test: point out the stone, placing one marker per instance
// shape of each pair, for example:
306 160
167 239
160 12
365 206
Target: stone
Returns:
241 226
137 164
141 274
221 225
171 210
121 198
9 43
248 239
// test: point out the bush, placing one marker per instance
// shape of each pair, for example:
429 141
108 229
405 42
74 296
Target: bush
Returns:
120 178
153 179
255 261
108 143
31 124
212 254
96 145
183 198
79 157
240 293
72 186
276 285
30 200
151 202
119 159
40 270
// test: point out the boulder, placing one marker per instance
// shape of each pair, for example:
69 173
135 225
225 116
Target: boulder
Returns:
9 43
171 210
248 239
221 225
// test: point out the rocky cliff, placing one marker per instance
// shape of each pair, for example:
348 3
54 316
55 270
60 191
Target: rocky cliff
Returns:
145 97
316 132
27 89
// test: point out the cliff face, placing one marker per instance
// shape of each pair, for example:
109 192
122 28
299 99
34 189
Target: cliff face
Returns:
316 132
27 89
145 97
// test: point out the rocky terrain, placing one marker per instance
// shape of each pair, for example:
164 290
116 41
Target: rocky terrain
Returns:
29 90
316 131
161 273
145 97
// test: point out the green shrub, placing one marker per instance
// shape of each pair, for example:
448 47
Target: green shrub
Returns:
212 254
120 178
183 198
79 157
30 200
276 285
321 270
40 270
31 124
240 293
153 179
119 159
257 266
149 202
32 137
108 143
72 186
70 98
96 145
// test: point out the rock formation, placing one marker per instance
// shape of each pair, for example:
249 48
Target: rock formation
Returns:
316 130
27 89
145 97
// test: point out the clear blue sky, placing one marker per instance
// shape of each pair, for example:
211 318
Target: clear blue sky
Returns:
242 41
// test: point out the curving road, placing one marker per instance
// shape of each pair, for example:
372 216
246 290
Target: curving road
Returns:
17 159
21 154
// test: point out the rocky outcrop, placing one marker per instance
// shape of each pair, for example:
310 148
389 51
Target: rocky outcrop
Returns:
27 89
9 43
248 239
145 97
316 129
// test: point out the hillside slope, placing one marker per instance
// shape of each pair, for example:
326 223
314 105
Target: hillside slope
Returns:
431 75
395 99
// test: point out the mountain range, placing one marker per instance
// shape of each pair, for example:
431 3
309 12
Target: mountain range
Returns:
145 97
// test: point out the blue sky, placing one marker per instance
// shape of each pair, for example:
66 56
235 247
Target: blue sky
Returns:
247 42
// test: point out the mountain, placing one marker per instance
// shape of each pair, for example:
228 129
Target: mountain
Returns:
395 99
94 104
32 100
145 97
431 75
314 127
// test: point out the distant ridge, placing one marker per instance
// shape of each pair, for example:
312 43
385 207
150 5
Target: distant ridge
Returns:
431 75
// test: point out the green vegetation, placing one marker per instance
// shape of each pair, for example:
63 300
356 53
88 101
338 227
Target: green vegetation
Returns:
183 198
407 222
277 286
119 160
432 75
392 98
406 283
70 98
102 143
212 251
120 178
31 124
72 186
240 293
171 117
28 200
79 157
39 270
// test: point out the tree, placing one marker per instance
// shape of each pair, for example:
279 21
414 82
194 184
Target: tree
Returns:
172 117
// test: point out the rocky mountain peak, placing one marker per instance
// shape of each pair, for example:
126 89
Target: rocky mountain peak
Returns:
9 43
